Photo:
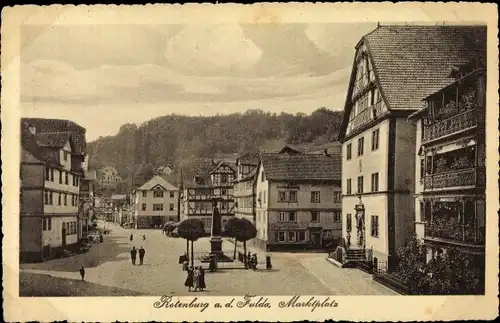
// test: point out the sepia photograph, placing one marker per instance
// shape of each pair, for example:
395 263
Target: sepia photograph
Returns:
252 160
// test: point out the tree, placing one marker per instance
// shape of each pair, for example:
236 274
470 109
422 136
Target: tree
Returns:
411 264
229 228
191 230
244 230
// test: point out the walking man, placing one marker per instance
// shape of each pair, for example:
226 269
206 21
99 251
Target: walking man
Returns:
133 255
142 252
131 237
82 272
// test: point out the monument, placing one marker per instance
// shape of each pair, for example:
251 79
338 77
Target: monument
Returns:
215 236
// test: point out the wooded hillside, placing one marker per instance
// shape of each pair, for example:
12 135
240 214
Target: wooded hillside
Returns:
174 138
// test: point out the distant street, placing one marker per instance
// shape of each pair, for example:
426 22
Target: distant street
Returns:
109 271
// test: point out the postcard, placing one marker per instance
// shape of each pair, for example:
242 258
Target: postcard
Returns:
264 162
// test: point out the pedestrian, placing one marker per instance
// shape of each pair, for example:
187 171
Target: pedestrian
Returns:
254 261
196 279
189 279
202 279
269 266
131 237
82 272
142 252
133 255
249 261
144 237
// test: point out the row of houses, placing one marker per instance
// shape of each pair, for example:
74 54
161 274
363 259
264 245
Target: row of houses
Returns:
56 187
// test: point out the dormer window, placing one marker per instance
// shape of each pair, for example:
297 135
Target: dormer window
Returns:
32 129
65 153
198 179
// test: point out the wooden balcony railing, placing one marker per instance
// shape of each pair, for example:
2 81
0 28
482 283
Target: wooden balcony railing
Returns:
369 114
455 178
451 125
445 230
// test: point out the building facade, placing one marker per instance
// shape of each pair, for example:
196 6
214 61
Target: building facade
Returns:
450 153
51 174
108 176
213 180
298 201
244 187
156 203
378 143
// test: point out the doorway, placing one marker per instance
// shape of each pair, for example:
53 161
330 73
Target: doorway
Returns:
63 235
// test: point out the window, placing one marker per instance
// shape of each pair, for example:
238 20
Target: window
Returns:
301 236
292 196
361 144
49 224
144 206
348 186
171 206
280 236
157 207
47 174
282 217
263 177
51 195
224 178
144 193
65 155
58 198
264 196
66 178
65 199
46 198
158 193
375 182
337 197
337 217
291 236
292 217
281 197
172 194
77 181
51 174
422 169
360 184
375 135
348 222
314 217
223 191
315 197
44 224
60 176
374 226
349 151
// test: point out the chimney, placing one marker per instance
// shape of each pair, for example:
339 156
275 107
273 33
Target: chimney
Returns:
325 152
32 129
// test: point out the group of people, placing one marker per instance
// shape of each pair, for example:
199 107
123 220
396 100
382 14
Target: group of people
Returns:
133 255
251 261
195 278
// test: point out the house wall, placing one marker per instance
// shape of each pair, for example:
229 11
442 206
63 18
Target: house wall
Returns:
261 207
149 200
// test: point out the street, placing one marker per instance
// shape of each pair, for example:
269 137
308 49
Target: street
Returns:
109 271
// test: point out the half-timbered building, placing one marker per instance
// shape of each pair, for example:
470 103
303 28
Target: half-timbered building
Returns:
394 68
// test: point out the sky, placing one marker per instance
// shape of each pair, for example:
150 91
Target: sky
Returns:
104 76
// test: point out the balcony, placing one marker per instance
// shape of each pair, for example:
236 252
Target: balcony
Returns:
451 125
455 178
459 233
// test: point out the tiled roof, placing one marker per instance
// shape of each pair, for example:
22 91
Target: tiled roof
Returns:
53 139
250 175
249 158
301 167
197 167
412 62
157 180
60 125
29 143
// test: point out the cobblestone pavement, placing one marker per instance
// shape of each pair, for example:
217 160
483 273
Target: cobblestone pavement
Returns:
108 264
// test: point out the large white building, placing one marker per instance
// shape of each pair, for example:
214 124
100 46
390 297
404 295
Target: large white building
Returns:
156 202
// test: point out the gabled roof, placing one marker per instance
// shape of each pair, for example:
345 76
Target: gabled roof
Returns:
157 181
287 149
29 143
411 62
301 167
53 139
251 158
61 125
221 164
